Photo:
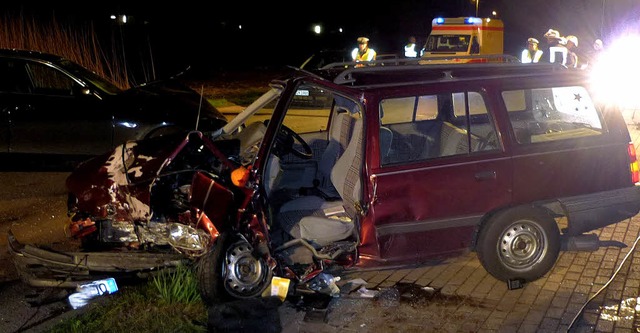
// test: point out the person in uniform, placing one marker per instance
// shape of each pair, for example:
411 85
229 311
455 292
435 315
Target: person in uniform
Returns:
532 53
363 52
556 49
410 48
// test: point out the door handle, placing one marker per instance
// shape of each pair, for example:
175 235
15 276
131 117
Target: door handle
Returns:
485 175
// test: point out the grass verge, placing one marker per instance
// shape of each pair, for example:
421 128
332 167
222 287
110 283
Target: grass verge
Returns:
168 303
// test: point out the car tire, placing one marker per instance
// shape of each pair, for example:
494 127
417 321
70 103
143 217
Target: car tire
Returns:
209 272
519 243
230 270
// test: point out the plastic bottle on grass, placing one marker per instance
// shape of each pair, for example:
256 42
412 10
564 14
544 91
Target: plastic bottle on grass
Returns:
85 292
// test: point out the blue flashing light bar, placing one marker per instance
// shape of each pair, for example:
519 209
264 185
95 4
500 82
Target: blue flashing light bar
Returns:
439 20
472 20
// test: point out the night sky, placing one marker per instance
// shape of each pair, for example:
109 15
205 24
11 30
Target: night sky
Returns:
275 34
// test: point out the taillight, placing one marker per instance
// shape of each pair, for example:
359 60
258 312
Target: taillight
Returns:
633 163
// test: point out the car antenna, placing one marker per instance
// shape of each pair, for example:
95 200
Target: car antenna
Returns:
199 106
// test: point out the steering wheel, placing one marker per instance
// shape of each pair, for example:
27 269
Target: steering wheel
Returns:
285 140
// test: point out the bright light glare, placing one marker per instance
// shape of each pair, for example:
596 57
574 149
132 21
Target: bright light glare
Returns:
615 75
128 124
317 29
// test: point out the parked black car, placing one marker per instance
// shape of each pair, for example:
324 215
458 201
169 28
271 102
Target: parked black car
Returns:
51 106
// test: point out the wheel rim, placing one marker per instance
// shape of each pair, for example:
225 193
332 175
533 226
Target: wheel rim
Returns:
245 275
522 245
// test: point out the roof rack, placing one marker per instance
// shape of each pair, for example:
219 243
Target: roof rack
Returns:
435 68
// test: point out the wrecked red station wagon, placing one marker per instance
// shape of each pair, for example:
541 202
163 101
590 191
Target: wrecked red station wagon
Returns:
343 167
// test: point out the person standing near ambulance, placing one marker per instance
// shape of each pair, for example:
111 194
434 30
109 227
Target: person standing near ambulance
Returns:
572 56
410 48
556 50
591 58
363 52
531 54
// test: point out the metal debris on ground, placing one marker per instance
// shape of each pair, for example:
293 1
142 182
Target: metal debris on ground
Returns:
325 283
352 285
367 293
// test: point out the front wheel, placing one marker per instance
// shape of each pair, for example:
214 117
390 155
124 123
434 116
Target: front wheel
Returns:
520 243
230 270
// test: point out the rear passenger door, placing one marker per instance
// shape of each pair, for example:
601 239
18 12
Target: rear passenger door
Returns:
445 169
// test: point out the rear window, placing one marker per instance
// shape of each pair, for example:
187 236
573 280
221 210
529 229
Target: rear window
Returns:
552 114
424 127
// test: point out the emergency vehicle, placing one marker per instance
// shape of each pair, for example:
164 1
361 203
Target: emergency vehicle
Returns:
451 39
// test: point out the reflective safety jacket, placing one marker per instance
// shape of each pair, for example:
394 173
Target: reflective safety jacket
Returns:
368 55
527 58
410 50
558 54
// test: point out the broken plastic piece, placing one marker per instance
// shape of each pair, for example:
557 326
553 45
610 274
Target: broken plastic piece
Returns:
428 289
352 285
240 176
280 287
326 284
367 293
515 284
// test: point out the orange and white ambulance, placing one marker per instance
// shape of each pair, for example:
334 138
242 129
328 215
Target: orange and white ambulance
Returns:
453 39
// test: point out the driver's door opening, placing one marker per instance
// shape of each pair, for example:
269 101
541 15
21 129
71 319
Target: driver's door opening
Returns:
312 177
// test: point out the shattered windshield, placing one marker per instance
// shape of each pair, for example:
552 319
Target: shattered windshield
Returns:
307 112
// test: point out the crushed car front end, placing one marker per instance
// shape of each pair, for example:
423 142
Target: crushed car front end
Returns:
144 206
153 204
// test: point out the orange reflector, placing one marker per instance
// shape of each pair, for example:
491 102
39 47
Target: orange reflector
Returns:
633 164
240 176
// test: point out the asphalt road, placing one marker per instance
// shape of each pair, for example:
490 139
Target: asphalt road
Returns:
33 206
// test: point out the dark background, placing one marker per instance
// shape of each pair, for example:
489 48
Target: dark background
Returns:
171 37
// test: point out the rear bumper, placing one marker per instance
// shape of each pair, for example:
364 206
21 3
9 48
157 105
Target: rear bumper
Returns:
593 211
41 267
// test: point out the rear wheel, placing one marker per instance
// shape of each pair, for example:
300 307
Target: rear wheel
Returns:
230 270
520 243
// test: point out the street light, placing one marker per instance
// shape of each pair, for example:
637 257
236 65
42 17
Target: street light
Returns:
477 3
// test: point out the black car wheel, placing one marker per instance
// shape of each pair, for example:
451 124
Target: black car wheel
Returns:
520 243
230 270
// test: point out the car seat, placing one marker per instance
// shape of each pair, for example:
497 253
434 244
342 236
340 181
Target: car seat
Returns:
320 221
